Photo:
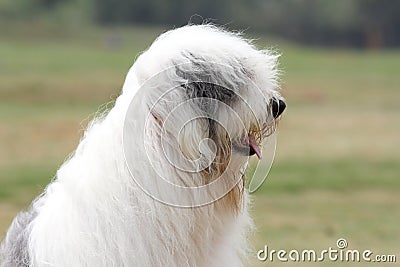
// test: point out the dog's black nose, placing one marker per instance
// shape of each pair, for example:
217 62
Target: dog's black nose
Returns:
277 107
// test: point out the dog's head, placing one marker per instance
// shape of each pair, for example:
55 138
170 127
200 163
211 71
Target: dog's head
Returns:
211 98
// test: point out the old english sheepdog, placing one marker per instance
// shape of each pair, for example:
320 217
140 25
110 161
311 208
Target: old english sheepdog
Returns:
159 180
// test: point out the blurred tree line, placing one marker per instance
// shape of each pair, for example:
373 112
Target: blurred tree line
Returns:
355 23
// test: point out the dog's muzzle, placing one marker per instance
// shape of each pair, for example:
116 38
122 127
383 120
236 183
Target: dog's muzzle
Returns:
248 144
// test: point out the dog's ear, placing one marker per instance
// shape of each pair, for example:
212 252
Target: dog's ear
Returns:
192 139
185 141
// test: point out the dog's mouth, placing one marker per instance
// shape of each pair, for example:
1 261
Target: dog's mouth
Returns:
248 145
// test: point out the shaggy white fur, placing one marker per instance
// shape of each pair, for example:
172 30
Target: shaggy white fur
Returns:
109 208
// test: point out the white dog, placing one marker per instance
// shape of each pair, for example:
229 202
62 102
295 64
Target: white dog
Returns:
159 180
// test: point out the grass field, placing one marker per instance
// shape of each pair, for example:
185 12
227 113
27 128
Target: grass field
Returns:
336 173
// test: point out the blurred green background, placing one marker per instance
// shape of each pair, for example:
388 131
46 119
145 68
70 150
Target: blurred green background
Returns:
336 173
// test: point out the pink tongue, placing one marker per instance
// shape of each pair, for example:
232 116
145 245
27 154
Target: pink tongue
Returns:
253 145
